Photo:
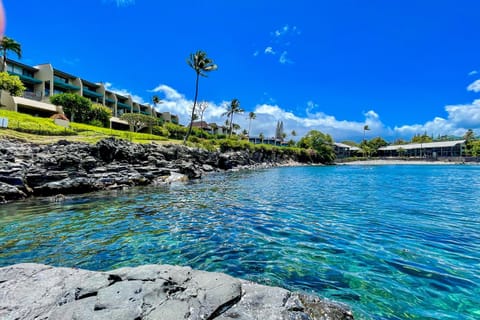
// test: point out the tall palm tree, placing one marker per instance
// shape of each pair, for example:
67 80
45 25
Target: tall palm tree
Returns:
294 133
233 108
8 44
251 116
199 62
365 128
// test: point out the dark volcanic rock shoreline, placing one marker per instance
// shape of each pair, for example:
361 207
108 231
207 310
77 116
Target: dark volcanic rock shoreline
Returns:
28 169
36 291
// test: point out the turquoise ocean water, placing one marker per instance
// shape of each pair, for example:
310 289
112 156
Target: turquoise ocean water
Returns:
393 242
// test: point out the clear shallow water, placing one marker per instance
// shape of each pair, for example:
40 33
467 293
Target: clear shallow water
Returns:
393 242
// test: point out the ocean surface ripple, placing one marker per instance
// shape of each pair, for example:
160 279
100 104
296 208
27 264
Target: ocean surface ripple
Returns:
393 242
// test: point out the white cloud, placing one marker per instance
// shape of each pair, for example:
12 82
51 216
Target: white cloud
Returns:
283 58
473 72
281 39
170 93
124 92
460 118
474 86
286 30
269 50
177 103
121 3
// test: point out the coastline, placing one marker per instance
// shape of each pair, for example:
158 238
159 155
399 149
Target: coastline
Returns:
66 168
380 162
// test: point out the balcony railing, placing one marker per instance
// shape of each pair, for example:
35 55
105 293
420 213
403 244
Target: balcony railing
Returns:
25 78
90 93
33 95
64 85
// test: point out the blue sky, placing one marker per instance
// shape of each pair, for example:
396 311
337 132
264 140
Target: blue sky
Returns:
402 67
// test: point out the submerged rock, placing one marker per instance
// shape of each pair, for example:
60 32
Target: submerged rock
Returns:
36 291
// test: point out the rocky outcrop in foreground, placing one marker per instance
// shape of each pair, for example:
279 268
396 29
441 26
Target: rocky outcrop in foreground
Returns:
28 169
35 291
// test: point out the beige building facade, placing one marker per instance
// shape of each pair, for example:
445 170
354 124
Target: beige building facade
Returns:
43 81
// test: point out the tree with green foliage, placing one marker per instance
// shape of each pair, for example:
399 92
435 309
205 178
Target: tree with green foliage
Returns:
251 116
201 64
73 106
261 137
475 148
421 138
320 142
12 84
138 121
293 133
375 144
100 114
232 109
469 137
279 131
8 44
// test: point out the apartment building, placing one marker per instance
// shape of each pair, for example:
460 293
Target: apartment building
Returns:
43 81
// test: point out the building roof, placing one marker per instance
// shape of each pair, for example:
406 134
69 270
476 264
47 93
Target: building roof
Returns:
426 145
346 146
24 66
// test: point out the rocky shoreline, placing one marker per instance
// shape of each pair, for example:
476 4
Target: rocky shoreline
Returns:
36 291
62 168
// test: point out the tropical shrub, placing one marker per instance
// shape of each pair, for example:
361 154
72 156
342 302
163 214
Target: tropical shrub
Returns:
12 84
100 114
176 131
160 131
321 143
77 108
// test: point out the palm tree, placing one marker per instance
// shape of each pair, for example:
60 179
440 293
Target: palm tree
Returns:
294 133
365 128
261 136
201 64
8 44
233 108
156 100
251 116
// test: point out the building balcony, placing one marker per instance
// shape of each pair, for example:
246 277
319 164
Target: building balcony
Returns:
122 105
92 94
33 95
65 85
25 78
109 100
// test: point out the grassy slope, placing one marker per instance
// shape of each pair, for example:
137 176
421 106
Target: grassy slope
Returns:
24 127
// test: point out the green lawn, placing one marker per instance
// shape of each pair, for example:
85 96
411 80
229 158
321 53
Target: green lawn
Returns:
44 130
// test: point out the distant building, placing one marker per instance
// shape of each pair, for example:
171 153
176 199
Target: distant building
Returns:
344 150
211 128
432 150
43 81
273 141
